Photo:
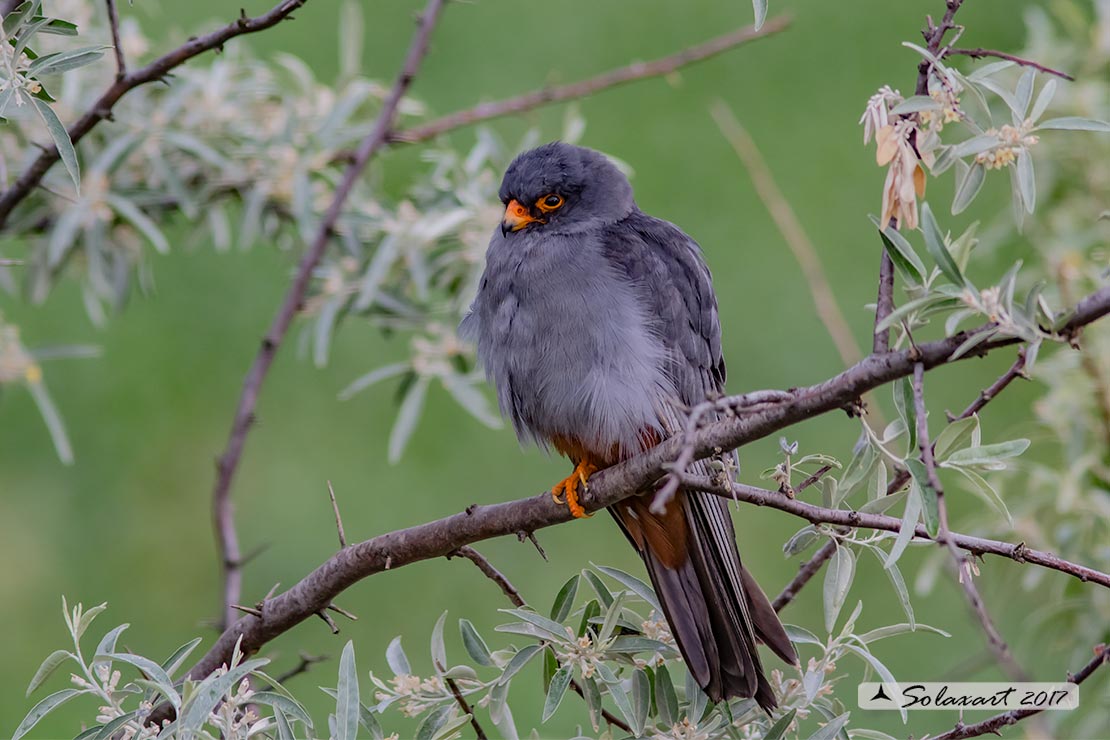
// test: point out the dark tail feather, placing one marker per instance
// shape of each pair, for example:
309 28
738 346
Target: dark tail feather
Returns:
714 608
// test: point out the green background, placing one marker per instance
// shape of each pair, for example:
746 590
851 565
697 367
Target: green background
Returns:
129 522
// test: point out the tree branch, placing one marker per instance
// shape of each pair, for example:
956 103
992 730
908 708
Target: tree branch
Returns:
993 724
438 538
222 514
584 88
113 22
964 570
156 70
807 571
980 52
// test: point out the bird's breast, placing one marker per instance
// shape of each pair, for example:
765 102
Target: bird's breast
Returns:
565 339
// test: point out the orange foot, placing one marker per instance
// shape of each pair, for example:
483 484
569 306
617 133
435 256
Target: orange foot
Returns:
569 486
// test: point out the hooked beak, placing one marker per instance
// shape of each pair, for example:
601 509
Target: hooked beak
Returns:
516 218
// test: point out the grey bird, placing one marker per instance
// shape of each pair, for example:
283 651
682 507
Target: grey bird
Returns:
597 323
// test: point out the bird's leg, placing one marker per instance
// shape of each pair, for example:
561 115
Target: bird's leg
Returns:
569 486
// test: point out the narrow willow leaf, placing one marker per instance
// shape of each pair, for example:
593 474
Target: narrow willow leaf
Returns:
781 724
901 253
908 529
619 696
802 540
633 583
564 600
553 629
1027 180
378 374
894 573
283 705
929 505
1001 91
954 436
451 726
934 240
284 731
146 226
498 705
471 399
52 661
968 187
1043 100
838 580
396 658
407 416
891 630
53 420
982 488
439 650
603 592
973 341
52 64
1024 94
1074 123
555 692
324 327
881 504
641 701
505 724
974 145
473 643
832 728
903 402
666 701
988 454
172 663
915 104
153 671
760 9
61 140
435 721
211 690
989 69
43 708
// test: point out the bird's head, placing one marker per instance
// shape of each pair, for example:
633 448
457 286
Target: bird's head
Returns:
565 188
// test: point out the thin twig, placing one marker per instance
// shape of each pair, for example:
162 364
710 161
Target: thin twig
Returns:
113 21
934 37
584 88
1019 552
464 705
884 303
806 572
1016 370
303 665
156 70
980 52
222 513
492 573
338 518
514 596
793 233
964 570
328 621
992 725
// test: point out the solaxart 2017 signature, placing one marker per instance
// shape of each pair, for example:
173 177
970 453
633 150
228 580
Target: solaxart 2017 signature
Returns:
968 696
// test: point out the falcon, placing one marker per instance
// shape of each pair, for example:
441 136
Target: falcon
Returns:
598 326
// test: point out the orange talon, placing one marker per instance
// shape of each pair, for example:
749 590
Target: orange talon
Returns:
569 487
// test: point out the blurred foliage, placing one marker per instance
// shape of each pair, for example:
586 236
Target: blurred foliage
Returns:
245 148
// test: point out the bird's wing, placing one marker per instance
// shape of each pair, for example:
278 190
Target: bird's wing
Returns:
675 284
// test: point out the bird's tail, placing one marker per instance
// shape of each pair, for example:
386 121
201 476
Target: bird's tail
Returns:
714 607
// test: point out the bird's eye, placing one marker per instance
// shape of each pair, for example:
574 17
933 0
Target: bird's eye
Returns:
550 202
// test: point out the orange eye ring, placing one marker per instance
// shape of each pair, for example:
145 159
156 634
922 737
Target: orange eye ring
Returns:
550 202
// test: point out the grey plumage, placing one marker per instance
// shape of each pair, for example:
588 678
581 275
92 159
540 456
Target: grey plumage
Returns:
596 323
